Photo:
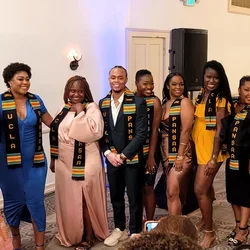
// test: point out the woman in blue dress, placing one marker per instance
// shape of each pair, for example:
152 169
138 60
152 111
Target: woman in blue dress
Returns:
23 165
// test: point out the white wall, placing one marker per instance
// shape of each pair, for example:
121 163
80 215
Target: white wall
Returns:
41 33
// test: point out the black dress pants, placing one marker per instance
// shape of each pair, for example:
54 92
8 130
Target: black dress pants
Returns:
130 176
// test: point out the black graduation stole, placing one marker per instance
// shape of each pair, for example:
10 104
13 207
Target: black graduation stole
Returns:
174 129
78 168
129 112
234 150
210 109
12 138
150 112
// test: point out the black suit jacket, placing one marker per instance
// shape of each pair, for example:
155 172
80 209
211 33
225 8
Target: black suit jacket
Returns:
118 135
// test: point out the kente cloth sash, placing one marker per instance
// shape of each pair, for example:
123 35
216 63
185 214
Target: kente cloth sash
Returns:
210 109
11 129
78 167
150 112
174 129
129 112
235 138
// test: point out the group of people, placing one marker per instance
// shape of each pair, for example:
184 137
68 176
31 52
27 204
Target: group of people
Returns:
135 131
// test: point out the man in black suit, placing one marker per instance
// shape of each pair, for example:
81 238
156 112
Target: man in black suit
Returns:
125 132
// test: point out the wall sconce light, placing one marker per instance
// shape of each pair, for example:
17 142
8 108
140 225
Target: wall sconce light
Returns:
74 64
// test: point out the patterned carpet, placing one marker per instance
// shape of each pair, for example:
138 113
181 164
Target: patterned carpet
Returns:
223 221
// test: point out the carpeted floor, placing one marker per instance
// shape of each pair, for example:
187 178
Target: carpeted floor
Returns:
223 221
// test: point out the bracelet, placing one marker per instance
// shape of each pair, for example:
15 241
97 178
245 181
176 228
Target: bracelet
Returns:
213 161
214 157
180 157
182 143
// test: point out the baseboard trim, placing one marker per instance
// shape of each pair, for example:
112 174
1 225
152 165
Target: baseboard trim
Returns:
48 189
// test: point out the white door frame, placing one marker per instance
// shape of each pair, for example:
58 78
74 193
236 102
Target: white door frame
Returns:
146 33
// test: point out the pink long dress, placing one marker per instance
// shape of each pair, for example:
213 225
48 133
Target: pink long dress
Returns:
85 127
5 240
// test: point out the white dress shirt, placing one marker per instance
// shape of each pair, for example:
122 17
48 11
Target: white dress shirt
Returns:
115 111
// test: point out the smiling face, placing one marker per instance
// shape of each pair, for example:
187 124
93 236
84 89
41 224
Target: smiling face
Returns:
176 86
117 80
76 93
244 92
20 83
145 85
211 79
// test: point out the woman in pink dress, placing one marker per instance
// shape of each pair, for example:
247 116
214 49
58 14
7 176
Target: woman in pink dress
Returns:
79 174
5 241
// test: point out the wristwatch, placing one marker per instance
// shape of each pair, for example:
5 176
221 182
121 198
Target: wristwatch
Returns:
123 157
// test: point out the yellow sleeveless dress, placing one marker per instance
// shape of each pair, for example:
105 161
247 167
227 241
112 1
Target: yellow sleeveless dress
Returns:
204 139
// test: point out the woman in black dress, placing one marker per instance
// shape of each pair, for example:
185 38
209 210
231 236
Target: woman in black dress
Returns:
236 133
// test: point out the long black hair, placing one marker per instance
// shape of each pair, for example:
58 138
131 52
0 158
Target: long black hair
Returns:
223 89
165 90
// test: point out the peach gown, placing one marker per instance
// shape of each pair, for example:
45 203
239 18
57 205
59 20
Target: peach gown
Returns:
85 127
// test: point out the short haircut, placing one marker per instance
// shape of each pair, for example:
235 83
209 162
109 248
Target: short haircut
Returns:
119 67
243 80
140 73
12 69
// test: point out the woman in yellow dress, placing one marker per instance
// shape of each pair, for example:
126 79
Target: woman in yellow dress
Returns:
213 103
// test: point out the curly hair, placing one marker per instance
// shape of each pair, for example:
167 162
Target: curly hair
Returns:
82 80
12 69
177 224
160 241
165 90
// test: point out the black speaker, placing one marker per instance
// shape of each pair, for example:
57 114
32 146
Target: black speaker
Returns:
188 54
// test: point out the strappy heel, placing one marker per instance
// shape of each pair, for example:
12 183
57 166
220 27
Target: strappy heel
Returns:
16 235
233 233
39 245
236 242
212 241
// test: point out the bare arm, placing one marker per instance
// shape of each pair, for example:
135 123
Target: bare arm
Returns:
47 119
187 118
211 165
154 134
221 113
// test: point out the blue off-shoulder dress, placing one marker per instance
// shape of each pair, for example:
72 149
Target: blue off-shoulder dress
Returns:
23 188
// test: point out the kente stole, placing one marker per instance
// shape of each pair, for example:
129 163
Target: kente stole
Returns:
174 129
210 109
12 137
234 150
150 112
78 168
129 112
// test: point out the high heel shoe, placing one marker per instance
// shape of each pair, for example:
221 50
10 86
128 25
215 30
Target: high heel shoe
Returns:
236 242
42 245
233 233
16 235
